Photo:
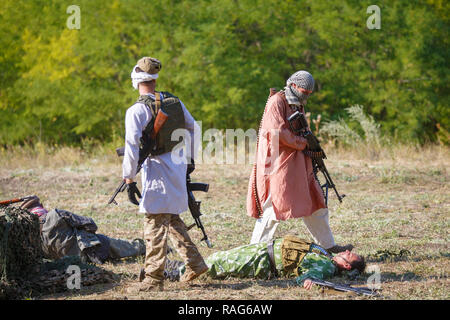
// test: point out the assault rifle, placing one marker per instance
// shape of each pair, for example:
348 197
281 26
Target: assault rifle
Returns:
15 200
342 287
194 206
299 126
148 144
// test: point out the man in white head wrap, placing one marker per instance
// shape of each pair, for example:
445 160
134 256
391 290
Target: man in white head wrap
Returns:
289 190
145 70
164 193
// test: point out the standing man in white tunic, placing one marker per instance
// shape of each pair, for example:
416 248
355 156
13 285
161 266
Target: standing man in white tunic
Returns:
164 193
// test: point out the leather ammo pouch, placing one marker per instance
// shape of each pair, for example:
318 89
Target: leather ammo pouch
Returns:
293 250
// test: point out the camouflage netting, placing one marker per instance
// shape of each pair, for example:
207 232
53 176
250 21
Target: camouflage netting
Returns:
24 272
53 275
20 243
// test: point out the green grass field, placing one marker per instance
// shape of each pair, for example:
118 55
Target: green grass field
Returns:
400 201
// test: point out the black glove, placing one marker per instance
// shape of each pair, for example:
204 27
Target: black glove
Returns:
133 190
190 167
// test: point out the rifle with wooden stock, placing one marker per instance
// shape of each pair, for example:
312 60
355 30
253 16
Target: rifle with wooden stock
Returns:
15 200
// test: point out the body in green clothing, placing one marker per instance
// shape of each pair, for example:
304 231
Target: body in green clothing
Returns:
252 261
248 261
317 266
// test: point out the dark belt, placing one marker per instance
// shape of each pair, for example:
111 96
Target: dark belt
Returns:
273 266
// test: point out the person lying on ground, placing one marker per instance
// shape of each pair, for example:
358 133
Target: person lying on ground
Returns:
285 257
64 233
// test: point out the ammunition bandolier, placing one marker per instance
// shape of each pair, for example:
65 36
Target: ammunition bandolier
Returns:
171 106
254 183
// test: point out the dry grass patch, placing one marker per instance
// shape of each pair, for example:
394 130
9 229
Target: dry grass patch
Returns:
399 201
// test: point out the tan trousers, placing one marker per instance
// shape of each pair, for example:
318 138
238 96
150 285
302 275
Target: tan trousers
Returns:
158 228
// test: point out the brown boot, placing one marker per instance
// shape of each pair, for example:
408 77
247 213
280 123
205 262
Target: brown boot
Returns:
337 249
145 286
190 274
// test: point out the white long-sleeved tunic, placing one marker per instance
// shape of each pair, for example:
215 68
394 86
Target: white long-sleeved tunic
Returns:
164 176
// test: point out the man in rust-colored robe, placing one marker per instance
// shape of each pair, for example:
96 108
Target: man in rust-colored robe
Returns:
282 185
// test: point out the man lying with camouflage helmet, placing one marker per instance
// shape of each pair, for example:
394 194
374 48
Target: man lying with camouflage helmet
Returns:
283 257
64 233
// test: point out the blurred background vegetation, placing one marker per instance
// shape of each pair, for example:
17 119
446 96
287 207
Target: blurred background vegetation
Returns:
72 87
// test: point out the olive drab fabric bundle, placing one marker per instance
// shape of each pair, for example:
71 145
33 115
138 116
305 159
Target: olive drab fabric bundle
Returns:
293 250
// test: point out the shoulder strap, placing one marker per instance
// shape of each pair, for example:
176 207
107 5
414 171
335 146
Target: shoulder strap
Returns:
153 107
158 101
167 94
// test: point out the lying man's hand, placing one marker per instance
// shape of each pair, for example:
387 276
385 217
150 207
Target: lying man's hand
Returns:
132 191
307 284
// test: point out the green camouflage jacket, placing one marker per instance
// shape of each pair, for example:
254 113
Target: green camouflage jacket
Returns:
252 261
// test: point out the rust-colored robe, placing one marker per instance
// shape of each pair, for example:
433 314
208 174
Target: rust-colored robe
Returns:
281 167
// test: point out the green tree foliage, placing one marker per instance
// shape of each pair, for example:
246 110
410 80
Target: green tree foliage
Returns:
220 57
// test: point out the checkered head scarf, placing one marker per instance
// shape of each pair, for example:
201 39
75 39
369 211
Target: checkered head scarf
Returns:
302 79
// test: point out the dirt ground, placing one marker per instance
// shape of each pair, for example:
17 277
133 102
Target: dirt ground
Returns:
393 203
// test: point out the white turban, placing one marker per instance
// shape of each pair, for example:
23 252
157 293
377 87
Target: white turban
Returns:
138 77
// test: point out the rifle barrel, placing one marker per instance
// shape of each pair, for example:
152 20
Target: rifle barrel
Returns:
8 202
331 183
118 189
15 200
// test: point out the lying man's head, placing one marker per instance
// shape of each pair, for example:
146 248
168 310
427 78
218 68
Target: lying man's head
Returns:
348 260
35 206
